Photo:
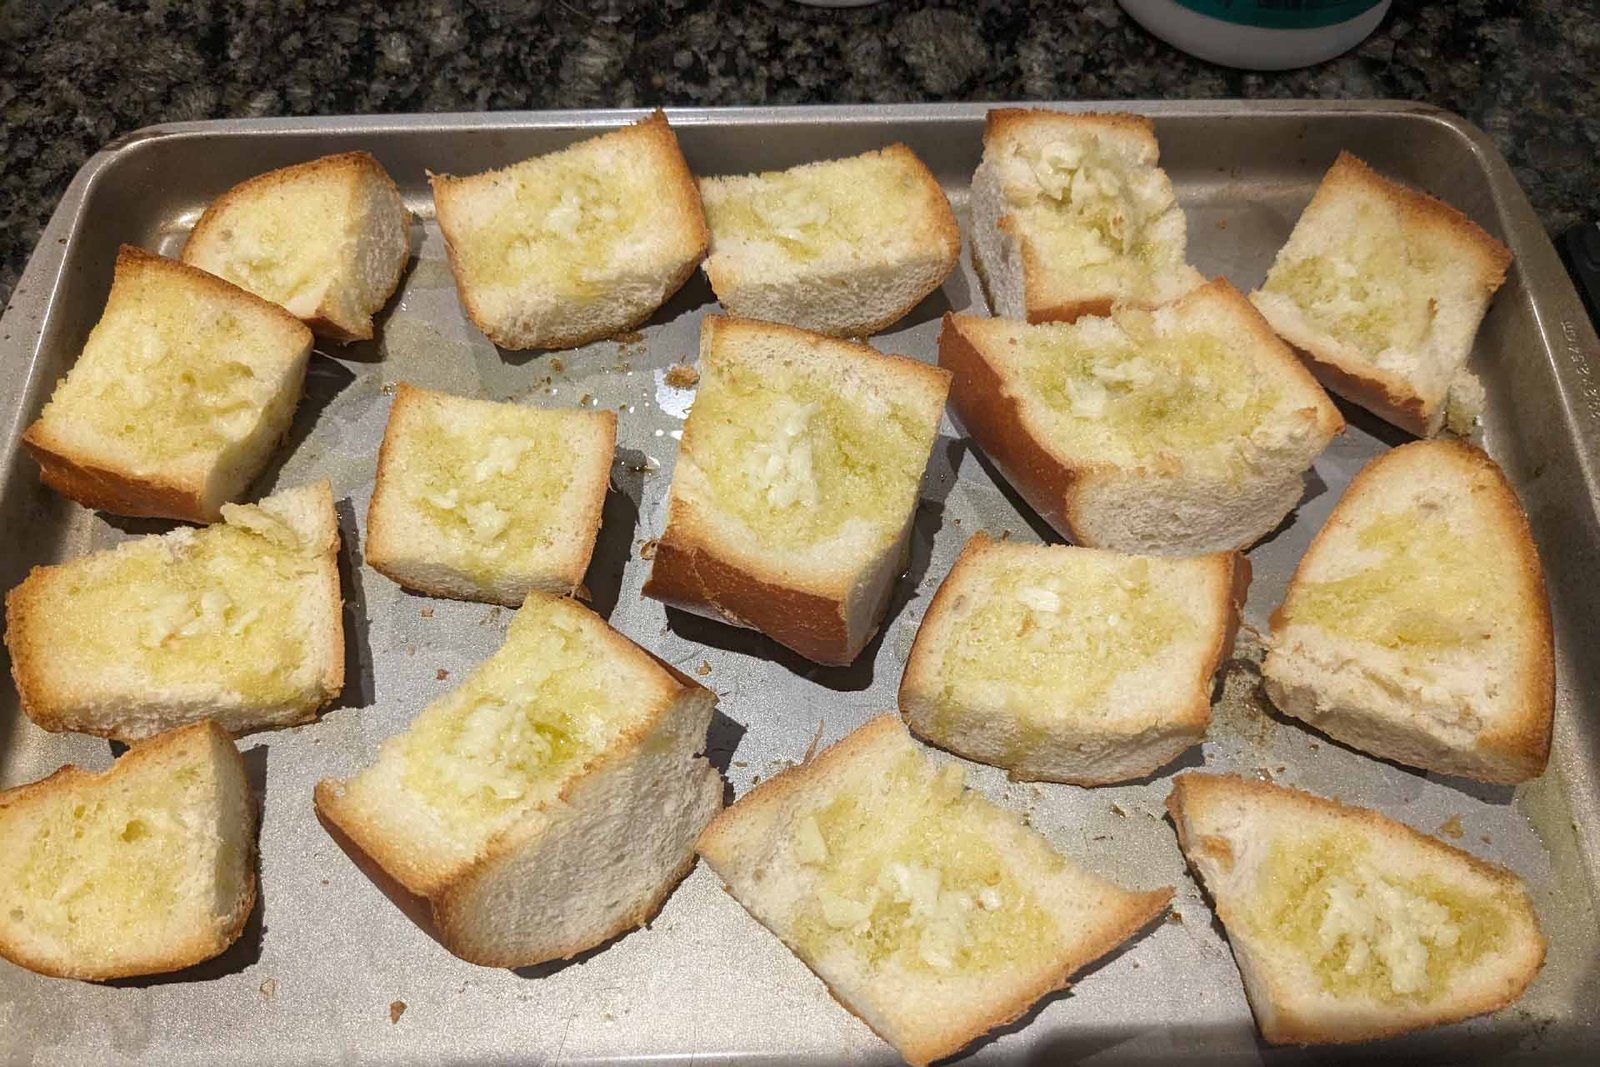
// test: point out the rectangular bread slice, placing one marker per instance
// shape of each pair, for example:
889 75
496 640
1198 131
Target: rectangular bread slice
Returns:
185 386
1416 627
328 240
240 623
1347 925
548 803
845 247
930 913
486 501
1382 288
1179 431
145 868
577 245
1071 664
1071 215
791 505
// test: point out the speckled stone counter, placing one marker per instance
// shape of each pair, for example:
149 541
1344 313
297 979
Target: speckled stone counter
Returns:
74 75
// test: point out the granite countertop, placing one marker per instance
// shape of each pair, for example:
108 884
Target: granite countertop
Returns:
74 75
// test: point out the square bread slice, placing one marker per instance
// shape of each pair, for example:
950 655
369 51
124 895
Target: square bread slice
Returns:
1179 431
328 240
1071 215
146 868
577 245
796 483
185 386
845 247
1382 288
1067 664
932 915
1347 925
240 623
547 804
486 501
1417 628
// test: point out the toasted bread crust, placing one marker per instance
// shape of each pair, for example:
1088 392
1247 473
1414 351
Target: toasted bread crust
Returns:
360 165
1193 716
1196 788
656 133
717 846
203 944
1521 746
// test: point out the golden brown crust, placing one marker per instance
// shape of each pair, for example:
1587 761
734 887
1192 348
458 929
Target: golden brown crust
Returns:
680 184
1385 395
776 793
1002 121
1524 743
203 944
1197 788
358 164
991 413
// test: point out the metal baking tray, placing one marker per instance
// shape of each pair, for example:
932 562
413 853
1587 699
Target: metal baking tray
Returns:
330 970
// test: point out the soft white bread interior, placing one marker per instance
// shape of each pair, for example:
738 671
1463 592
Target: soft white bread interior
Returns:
791 505
845 247
486 501
185 386
1417 627
577 245
1383 288
1347 925
1180 431
240 623
1071 214
930 913
145 868
548 803
328 240
1072 664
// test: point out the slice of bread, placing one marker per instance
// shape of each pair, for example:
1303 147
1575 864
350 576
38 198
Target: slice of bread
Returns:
145 868
1071 215
1178 431
930 913
1382 288
1417 627
240 623
577 245
185 386
796 483
1067 664
550 802
846 247
1347 925
328 240
486 501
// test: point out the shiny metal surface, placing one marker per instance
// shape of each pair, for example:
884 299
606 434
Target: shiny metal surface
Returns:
330 970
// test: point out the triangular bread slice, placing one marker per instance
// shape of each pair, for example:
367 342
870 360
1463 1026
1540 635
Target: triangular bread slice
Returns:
1417 627
183 389
327 239
1179 431
1347 925
1071 215
577 245
1068 664
145 868
930 913
1382 288
548 803
488 501
845 247
240 623
791 505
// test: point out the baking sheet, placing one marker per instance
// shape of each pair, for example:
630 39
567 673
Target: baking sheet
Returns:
330 970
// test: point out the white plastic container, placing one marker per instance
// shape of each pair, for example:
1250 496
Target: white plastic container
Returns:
1260 34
